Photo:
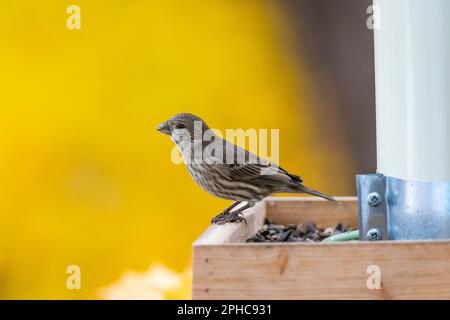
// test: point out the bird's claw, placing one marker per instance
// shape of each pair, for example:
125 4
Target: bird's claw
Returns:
228 217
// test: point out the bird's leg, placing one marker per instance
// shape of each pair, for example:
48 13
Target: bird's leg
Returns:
233 216
227 210
237 215
221 216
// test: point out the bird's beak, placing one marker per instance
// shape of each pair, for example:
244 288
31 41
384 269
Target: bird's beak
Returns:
164 128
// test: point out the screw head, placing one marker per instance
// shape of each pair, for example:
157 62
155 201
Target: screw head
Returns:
374 235
374 199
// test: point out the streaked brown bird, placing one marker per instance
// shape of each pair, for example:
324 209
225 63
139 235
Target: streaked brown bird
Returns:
227 171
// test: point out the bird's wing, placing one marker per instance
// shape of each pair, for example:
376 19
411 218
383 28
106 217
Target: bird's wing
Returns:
265 174
255 169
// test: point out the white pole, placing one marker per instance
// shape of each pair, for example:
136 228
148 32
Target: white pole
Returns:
412 66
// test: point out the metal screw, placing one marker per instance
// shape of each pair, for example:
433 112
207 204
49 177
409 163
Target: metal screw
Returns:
374 235
374 199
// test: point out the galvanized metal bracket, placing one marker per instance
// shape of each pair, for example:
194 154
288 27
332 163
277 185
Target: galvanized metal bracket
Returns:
372 204
398 209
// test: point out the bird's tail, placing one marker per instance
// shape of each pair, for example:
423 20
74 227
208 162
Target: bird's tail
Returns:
304 189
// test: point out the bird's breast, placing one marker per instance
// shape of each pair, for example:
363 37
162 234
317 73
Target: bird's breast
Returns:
213 181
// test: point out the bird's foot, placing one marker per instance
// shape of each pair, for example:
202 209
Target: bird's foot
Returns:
219 218
228 217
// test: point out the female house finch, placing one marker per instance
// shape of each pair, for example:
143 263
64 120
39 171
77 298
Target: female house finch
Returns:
227 171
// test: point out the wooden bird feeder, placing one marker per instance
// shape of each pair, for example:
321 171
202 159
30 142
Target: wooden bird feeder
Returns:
226 267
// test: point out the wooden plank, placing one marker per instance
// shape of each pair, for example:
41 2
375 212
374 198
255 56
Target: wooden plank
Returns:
312 209
409 270
235 232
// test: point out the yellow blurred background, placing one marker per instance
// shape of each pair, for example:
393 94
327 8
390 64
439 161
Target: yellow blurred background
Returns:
86 179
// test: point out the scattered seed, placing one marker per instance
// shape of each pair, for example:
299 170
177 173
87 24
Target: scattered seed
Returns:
304 232
284 236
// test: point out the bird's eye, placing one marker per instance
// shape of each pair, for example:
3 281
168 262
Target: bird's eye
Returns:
180 126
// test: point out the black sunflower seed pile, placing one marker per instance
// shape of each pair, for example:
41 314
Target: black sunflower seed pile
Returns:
304 232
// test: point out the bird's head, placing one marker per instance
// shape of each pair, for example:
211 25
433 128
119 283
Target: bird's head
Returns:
184 126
